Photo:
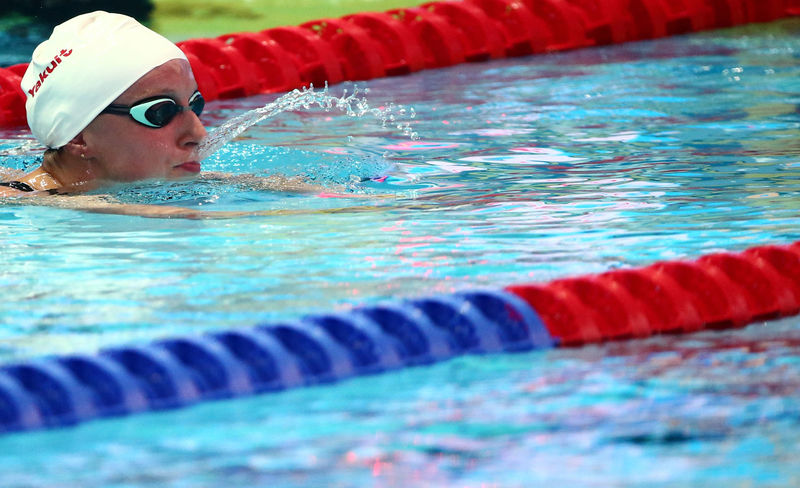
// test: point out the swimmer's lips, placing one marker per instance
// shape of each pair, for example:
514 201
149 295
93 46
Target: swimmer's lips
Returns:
190 166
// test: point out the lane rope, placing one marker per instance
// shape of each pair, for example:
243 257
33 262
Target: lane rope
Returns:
436 34
716 291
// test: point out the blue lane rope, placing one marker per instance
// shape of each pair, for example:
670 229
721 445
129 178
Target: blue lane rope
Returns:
178 371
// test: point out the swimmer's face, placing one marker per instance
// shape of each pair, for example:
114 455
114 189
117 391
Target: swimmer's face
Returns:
121 149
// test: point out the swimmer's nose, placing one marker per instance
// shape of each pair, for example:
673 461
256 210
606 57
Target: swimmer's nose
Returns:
194 131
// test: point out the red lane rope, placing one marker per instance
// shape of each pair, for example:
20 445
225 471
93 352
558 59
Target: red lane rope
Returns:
400 41
717 291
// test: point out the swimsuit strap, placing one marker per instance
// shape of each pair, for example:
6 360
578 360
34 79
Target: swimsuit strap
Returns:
18 185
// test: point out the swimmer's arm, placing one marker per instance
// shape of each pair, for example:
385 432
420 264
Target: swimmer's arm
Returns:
7 174
10 192
108 205
105 205
293 184
288 184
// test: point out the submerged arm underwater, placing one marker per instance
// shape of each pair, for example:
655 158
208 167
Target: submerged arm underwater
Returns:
107 204
276 182
101 204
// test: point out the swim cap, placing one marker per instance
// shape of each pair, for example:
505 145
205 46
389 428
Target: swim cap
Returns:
86 64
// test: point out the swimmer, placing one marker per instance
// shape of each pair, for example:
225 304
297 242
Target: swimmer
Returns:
114 102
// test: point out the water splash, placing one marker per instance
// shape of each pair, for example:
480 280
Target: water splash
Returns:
353 105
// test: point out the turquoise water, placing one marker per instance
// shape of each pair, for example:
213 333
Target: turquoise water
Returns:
526 170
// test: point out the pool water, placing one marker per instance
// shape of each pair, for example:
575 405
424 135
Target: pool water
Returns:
525 170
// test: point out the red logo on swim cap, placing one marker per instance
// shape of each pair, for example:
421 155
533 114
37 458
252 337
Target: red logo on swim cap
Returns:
49 69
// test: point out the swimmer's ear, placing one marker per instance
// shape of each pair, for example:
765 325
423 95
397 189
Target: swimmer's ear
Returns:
76 147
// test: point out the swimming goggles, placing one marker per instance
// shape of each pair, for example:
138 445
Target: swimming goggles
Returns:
156 112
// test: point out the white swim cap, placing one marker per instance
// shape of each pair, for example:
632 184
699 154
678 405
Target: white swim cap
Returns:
88 62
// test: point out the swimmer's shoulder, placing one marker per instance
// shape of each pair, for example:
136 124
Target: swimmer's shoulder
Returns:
16 183
15 188
7 176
